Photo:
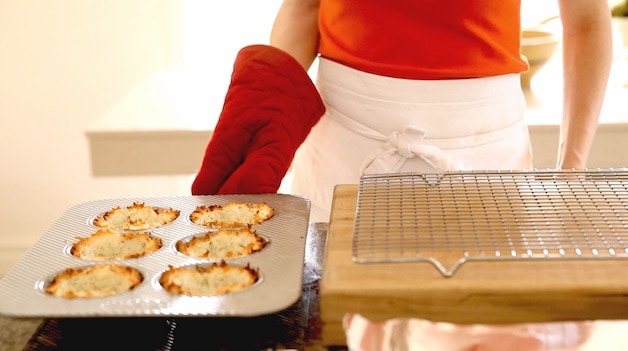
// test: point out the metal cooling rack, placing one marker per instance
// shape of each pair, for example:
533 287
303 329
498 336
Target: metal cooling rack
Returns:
451 218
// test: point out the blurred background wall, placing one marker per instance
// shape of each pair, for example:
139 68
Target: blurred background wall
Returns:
64 64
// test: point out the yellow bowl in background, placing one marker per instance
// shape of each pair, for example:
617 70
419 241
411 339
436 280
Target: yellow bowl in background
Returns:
537 46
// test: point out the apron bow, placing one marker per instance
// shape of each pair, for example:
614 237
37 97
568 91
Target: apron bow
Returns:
400 146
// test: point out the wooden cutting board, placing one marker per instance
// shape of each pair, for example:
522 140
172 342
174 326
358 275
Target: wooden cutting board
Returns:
479 292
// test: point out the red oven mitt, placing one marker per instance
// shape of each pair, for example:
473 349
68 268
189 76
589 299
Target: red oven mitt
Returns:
270 107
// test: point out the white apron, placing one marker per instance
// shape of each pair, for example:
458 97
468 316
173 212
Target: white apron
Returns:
377 124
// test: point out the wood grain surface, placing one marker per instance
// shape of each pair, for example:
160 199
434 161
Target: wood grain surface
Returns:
493 292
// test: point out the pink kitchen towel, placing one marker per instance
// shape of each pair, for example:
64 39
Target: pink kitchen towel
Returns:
410 334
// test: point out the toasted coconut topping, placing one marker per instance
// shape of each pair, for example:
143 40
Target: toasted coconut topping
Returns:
107 244
136 217
225 243
94 281
201 280
231 215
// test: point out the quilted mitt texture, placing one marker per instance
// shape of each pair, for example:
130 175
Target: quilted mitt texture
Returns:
270 107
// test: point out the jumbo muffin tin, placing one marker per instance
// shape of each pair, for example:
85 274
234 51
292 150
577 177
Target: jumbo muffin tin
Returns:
280 264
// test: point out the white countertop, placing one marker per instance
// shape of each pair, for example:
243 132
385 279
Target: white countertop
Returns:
16 332
168 116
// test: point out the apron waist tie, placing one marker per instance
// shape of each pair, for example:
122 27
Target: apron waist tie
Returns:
399 146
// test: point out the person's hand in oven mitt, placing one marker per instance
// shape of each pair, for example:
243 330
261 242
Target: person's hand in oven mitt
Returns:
270 107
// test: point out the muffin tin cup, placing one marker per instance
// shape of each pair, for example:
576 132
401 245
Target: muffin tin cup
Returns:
265 240
280 264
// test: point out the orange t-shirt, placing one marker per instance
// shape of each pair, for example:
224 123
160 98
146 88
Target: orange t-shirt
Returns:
423 39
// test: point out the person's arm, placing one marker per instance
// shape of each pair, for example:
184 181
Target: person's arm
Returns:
270 107
587 56
295 30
